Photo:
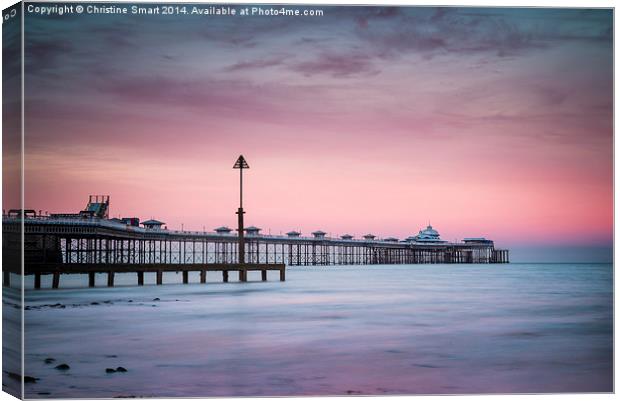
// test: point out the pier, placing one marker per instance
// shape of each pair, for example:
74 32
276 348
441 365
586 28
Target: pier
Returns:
62 245
90 242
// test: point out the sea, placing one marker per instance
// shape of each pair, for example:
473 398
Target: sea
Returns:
334 330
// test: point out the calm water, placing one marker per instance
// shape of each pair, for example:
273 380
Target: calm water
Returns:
409 329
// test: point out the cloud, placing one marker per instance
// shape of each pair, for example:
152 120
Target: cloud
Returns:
255 64
461 31
337 65
45 54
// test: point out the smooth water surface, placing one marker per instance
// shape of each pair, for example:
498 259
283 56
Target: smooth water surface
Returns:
404 329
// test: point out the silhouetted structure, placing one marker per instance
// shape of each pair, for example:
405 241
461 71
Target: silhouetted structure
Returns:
241 164
89 242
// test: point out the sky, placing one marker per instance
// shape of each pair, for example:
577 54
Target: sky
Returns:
493 122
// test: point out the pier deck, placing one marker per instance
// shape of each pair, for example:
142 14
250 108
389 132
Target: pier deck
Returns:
93 245
56 269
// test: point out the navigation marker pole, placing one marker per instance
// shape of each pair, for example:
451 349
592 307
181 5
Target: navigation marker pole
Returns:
241 164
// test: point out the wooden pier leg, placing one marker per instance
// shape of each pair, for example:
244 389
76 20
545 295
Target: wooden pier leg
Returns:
282 274
185 277
159 277
56 280
203 276
140 278
7 278
225 276
263 275
37 281
91 279
243 275
110 279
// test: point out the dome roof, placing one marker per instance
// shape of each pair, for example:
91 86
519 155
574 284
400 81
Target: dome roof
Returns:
430 231
429 234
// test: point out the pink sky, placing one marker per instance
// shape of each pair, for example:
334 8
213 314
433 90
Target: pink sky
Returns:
369 122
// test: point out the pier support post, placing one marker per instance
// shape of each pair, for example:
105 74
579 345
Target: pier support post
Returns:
282 274
159 277
37 281
243 275
110 279
140 278
225 276
203 276
7 278
91 279
56 280
185 277
263 275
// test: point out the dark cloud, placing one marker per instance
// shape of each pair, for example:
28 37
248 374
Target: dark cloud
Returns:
503 32
337 65
11 49
222 98
45 54
364 14
255 64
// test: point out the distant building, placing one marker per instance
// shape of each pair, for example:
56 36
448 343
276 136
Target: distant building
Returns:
429 234
293 234
28 213
252 230
97 206
479 240
369 237
391 239
223 230
346 237
319 234
153 224
131 221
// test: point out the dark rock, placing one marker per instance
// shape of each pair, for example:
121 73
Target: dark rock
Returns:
94 303
49 360
131 300
156 299
110 370
18 377
14 376
111 356
63 366
121 369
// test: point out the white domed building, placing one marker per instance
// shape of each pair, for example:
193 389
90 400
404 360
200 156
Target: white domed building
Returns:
427 235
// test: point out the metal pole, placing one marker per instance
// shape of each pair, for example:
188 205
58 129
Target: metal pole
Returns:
241 164
240 212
